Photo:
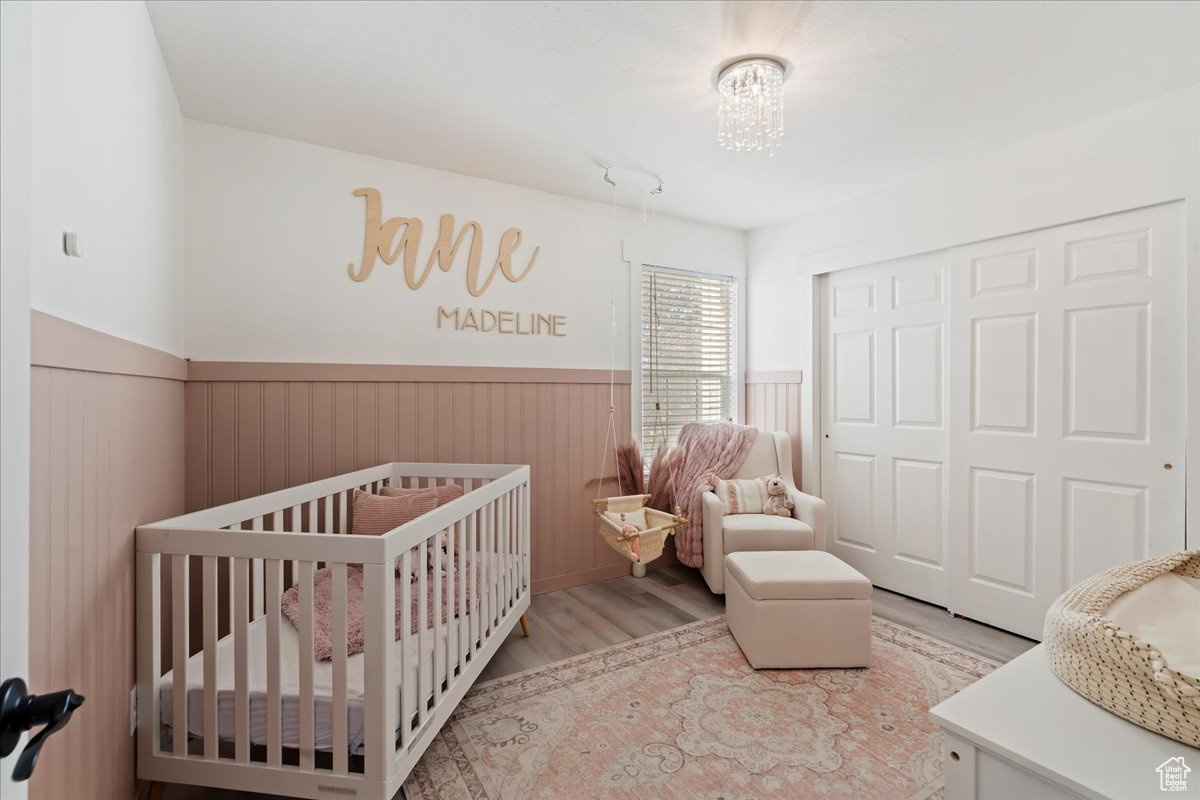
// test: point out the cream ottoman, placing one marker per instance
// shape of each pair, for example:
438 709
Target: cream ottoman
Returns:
798 609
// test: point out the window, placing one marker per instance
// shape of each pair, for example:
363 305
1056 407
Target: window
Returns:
689 352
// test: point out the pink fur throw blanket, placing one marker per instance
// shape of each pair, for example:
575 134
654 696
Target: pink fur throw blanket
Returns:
704 450
323 606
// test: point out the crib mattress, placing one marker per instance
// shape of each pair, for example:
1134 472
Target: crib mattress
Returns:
289 673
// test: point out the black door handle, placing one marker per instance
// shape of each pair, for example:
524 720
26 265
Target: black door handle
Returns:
21 711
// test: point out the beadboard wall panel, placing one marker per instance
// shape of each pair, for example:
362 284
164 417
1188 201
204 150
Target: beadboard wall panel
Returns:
106 453
245 437
773 404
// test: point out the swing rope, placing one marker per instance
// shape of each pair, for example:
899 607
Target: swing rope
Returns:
610 433
658 425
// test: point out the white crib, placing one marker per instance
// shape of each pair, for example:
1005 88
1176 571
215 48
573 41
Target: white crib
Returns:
250 708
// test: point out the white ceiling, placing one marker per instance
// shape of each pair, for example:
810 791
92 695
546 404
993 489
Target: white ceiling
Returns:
538 93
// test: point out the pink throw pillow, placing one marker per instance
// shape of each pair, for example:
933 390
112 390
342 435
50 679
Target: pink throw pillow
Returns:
375 514
444 493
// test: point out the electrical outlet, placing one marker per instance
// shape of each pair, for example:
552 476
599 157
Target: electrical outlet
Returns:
133 711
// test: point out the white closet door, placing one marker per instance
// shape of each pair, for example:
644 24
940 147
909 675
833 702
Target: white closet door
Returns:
884 423
1066 409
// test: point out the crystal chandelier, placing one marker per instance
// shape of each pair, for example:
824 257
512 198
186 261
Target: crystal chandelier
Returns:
751 112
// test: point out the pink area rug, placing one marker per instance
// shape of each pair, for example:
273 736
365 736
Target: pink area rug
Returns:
681 716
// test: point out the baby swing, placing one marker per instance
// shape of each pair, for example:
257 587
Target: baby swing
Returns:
627 524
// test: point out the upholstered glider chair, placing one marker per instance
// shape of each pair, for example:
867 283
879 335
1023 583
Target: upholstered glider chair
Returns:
770 454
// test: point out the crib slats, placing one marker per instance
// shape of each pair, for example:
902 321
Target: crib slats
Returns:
328 502
379 622
257 525
273 589
497 563
406 649
229 594
340 746
241 659
505 584
464 613
524 565
519 539
453 542
149 633
485 554
516 540
424 678
475 550
344 511
297 526
497 567
179 652
439 660
306 665
209 601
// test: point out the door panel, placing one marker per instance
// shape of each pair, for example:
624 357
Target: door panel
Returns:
919 510
917 367
1070 335
855 501
884 460
1002 535
999 418
1003 370
1107 347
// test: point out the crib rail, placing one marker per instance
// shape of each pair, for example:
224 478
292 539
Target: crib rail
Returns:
249 706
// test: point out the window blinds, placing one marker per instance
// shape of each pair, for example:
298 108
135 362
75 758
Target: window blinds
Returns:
689 352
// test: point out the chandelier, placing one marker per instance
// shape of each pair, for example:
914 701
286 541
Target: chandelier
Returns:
751 112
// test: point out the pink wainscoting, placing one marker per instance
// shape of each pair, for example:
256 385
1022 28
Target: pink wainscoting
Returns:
773 404
106 455
299 423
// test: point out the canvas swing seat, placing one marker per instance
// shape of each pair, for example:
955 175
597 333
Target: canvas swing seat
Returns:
644 545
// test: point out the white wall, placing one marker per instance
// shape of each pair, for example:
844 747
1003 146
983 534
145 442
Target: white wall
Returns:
1143 155
15 86
107 163
272 225
1139 156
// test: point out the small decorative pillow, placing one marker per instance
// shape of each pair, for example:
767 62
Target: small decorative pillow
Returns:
444 495
744 496
375 514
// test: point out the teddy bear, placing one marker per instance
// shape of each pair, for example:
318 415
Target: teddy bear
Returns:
633 539
779 502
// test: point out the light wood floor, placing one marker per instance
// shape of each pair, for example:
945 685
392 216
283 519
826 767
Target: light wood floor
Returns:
576 621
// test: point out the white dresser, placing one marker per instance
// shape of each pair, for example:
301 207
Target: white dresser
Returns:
1022 733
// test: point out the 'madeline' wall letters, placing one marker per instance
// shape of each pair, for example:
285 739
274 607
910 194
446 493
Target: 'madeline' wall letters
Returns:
378 238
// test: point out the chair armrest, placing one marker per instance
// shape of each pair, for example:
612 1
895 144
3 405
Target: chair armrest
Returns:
714 541
810 510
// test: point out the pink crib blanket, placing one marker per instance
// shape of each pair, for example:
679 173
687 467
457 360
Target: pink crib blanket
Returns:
323 605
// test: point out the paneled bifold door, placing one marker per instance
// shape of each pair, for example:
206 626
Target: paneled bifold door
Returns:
1003 419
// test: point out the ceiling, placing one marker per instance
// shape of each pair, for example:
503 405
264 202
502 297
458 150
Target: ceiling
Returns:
538 93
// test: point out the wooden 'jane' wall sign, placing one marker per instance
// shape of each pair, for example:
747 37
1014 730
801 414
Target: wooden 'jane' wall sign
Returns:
401 236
